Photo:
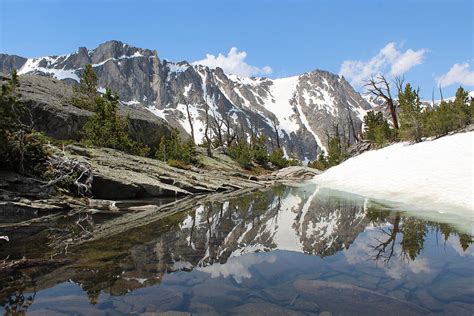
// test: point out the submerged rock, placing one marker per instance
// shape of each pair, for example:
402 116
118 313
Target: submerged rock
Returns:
345 299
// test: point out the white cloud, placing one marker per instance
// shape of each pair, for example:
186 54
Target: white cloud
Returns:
406 61
238 267
389 57
233 63
459 73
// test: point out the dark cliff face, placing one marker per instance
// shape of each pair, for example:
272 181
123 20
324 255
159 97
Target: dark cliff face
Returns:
10 62
305 108
48 101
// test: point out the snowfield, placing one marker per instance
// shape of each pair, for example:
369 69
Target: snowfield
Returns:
434 175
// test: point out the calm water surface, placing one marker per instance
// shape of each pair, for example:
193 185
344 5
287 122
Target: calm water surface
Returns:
289 250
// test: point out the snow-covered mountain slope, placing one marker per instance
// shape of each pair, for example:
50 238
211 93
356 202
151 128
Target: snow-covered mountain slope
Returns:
303 109
432 175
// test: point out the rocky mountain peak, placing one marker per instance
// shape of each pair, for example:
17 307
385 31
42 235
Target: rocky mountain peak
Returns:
302 110
118 50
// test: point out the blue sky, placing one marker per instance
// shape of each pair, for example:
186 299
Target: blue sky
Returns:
423 40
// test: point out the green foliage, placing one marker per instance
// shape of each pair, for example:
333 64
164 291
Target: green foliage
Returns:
240 152
448 116
377 130
21 149
259 149
321 163
175 152
414 235
411 125
277 158
256 152
336 153
293 161
86 93
11 109
106 128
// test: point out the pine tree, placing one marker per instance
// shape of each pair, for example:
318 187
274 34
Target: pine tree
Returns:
21 148
85 94
106 128
448 115
172 150
277 158
11 109
240 152
259 149
411 125
377 129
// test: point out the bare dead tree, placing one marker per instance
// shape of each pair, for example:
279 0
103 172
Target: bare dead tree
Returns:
328 137
206 133
275 128
441 92
432 98
381 248
400 84
230 133
379 87
190 120
62 169
217 128
351 124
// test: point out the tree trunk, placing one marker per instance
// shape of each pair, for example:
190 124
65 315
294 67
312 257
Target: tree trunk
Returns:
190 123
393 112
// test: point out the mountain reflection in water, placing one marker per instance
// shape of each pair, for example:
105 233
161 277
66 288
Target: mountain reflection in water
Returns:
299 249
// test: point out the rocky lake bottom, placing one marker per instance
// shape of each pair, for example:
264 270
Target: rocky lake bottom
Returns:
286 250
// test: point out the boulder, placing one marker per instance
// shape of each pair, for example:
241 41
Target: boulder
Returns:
51 112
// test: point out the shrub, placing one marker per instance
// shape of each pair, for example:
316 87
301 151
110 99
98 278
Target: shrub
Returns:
175 152
448 116
240 152
259 149
336 153
277 158
321 163
106 128
377 130
21 148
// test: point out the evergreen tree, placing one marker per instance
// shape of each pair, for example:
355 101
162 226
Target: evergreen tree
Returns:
259 149
21 149
85 94
240 152
106 128
11 108
175 152
336 153
448 115
321 163
377 129
411 126
277 158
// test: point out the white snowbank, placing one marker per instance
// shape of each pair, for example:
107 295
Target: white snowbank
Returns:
433 175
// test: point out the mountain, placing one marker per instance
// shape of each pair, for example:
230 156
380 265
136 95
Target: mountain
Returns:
303 109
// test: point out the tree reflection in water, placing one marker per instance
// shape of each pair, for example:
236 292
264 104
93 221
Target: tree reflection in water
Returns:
412 231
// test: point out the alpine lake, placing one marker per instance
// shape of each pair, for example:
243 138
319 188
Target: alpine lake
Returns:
288 250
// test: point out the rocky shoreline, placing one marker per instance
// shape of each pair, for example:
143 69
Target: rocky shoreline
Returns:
119 176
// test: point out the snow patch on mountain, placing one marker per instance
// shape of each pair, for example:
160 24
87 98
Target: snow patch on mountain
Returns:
280 103
305 122
46 65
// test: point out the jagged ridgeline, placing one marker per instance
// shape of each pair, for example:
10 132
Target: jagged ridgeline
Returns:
303 110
